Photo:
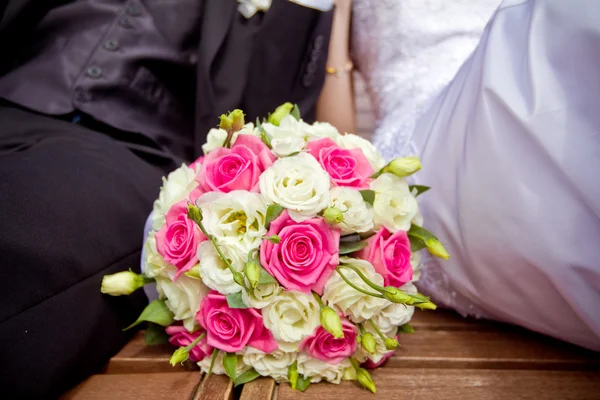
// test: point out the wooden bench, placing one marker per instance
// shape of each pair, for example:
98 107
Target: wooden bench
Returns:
447 358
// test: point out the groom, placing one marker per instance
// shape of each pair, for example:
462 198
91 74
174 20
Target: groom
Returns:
98 100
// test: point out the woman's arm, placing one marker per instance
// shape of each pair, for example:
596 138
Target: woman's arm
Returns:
336 102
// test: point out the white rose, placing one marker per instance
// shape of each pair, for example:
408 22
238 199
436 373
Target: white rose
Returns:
321 130
356 305
238 216
262 295
176 187
218 368
216 136
418 219
274 364
394 206
350 141
415 262
395 315
289 137
358 214
291 317
214 272
154 264
183 297
299 184
318 370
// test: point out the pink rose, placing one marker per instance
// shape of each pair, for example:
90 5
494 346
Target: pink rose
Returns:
231 329
181 337
238 168
325 347
196 163
345 167
305 257
390 255
177 241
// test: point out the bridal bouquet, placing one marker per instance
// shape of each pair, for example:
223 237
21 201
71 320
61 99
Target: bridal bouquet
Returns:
288 250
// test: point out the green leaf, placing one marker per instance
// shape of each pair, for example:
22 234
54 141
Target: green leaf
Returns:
420 189
368 196
351 247
303 383
234 300
420 233
156 312
406 328
155 335
246 377
296 112
264 136
230 361
273 211
416 244
213 359
265 277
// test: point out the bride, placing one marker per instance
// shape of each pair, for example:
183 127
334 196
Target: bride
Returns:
511 146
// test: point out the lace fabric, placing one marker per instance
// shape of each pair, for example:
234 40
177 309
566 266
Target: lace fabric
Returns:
407 51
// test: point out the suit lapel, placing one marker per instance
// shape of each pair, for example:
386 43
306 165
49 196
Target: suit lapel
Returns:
218 16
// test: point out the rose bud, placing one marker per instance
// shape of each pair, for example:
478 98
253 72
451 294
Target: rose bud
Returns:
391 344
368 342
179 356
396 295
123 283
330 320
333 215
252 272
402 167
280 112
364 378
437 249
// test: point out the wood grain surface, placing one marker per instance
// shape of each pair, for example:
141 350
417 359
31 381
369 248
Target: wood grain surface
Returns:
459 384
260 389
179 385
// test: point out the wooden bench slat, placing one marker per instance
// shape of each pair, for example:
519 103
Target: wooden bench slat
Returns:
180 385
259 389
513 348
447 320
451 384
215 387
137 357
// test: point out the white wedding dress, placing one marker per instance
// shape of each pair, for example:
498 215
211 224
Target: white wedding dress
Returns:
511 148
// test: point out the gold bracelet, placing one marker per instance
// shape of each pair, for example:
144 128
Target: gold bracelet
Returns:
340 72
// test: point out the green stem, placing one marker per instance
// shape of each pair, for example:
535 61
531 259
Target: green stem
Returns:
227 142
352 285
318 299
189 347
354 363
381 335
214 242
213 358
363 277
362 329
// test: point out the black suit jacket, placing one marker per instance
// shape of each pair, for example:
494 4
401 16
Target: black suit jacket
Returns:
287 64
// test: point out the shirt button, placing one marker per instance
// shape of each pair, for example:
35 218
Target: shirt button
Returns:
134 9
125 22
94 72
82 96
111 44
